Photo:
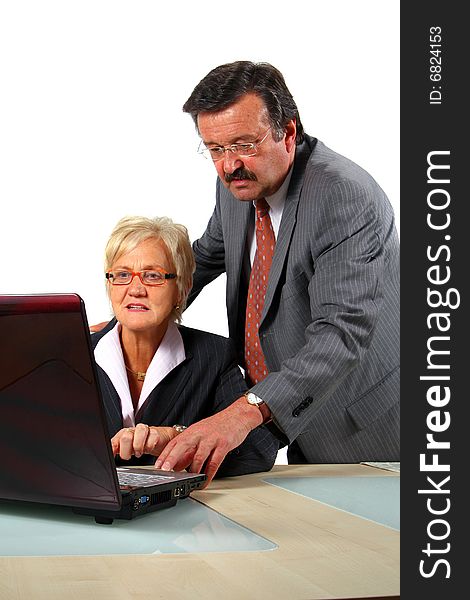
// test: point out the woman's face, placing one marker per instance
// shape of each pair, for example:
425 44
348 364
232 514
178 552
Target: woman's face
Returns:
142 308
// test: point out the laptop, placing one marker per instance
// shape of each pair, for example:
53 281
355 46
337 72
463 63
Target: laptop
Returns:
54 445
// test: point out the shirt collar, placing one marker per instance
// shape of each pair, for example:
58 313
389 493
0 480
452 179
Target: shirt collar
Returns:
276 201
108 355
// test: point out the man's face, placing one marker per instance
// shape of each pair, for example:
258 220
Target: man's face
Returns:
253 177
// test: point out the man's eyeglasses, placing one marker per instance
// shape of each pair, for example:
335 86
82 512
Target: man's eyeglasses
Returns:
146 277
243 150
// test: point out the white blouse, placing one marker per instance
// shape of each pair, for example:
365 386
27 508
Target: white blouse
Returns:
108 355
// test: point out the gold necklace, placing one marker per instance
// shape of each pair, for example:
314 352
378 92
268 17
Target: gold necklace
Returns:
139 374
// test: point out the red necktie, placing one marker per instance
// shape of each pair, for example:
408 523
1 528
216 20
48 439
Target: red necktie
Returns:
265 241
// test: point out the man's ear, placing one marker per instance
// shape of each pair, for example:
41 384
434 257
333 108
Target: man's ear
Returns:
291 132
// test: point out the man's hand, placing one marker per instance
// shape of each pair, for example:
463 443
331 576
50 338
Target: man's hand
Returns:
206 443
98 327
141 439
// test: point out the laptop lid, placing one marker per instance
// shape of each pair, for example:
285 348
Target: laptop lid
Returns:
55 444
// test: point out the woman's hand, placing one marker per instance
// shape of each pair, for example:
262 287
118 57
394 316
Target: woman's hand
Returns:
141 439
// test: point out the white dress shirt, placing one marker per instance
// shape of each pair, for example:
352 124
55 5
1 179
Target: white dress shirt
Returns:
108 354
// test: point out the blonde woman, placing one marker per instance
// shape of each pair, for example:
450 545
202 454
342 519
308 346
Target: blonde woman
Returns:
158 377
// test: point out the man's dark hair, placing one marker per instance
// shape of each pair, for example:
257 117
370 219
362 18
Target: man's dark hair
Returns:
227 83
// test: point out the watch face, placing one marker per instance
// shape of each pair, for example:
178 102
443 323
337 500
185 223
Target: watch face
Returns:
253 398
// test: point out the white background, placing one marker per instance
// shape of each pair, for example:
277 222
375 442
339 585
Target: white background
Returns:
91 126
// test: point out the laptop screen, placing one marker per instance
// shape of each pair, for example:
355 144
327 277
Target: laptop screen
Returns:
54 444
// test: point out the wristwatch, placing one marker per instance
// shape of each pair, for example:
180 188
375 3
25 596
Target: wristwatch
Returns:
255 400
179 428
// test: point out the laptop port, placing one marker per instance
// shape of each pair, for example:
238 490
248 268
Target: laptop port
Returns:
179 491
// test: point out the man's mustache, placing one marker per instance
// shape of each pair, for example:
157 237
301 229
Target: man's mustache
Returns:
240 173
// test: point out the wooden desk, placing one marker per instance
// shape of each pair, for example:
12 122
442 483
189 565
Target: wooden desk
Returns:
322 553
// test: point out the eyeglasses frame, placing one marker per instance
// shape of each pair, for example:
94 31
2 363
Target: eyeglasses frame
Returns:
231 147
139 275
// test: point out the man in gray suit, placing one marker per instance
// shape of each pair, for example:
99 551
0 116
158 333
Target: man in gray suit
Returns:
329 326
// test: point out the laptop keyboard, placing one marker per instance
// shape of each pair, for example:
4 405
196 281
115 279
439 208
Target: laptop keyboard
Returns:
140 479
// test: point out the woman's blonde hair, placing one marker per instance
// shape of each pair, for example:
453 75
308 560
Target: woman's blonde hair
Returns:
130 231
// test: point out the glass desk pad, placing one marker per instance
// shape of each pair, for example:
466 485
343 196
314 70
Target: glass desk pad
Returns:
43 530
373 498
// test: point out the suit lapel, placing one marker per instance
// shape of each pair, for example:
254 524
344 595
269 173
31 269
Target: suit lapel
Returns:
165 396
241 215
289 217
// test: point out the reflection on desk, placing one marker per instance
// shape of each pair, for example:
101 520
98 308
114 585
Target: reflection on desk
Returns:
374 498
40 530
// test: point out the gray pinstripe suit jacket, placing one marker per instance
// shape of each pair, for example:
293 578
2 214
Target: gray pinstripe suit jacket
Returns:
205 383
330 326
